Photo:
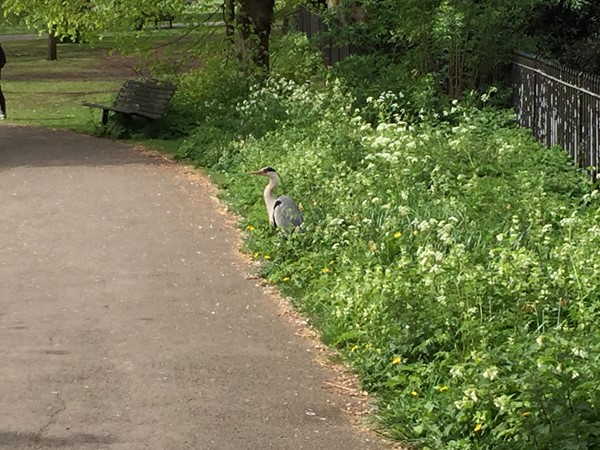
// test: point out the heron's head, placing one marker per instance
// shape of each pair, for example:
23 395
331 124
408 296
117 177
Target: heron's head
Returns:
265 172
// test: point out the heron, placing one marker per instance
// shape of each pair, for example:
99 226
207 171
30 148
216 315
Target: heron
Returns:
282 211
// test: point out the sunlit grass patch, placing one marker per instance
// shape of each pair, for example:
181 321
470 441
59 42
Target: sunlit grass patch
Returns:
57 104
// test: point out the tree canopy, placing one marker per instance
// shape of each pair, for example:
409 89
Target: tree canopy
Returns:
68 18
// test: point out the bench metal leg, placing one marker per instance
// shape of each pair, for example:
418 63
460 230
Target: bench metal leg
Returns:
104 116
149 128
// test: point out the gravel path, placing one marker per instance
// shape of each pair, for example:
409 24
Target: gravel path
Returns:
126 318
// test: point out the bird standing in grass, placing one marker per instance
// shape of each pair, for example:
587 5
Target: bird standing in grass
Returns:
282 211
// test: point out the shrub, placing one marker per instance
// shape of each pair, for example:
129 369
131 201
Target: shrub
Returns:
294 58
398 92
451 259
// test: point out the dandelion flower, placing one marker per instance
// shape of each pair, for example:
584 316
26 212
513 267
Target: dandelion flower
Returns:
414 393
478 427
325 270
353 349
396 360
267 257
250 228
397 235
285 279
525 413
443 388
256 255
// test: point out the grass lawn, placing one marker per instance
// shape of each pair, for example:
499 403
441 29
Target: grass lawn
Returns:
57 105
6 30
50 93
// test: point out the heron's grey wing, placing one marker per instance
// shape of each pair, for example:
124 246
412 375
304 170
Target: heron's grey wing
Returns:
286 213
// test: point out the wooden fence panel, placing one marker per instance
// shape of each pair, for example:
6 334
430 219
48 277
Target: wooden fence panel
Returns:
313 25
561 106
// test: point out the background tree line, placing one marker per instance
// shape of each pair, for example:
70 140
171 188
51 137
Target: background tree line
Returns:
462 44
467 44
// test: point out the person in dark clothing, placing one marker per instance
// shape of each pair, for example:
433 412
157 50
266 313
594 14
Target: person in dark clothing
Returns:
2 99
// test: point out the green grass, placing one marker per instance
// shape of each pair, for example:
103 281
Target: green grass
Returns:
6 29
57 105
167 146
47 93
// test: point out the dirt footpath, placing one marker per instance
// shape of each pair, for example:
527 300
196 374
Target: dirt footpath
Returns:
126 318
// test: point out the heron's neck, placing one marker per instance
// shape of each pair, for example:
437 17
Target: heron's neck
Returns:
268 193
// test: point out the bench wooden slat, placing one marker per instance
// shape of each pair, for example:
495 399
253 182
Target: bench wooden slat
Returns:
149 89
144 94
144 99
140 96
159 102
149 86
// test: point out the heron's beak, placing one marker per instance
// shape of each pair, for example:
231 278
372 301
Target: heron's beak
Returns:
255 172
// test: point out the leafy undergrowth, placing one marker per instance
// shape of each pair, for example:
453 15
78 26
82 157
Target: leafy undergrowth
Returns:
452 260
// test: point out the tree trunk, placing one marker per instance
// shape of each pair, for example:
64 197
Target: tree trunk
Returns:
52 46
229 19
255 19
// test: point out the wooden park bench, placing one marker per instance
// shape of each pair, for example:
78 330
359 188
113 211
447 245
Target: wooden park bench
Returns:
145 99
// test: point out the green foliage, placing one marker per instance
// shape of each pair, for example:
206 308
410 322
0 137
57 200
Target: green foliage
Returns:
464 45
386 91
293 57
569 33
77 18
451 259
233 104
208 98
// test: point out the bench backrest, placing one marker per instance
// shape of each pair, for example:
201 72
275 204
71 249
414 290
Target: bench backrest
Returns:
148 99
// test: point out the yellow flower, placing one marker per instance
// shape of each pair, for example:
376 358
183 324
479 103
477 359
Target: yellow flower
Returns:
256 255
250 228
325 270
353 349
331 262
396 360
478 427
525 413
443 388
397 235
414 393
267 257
368 346
415 233
286 279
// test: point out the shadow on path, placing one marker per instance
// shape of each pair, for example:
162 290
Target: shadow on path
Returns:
12 440
39 147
